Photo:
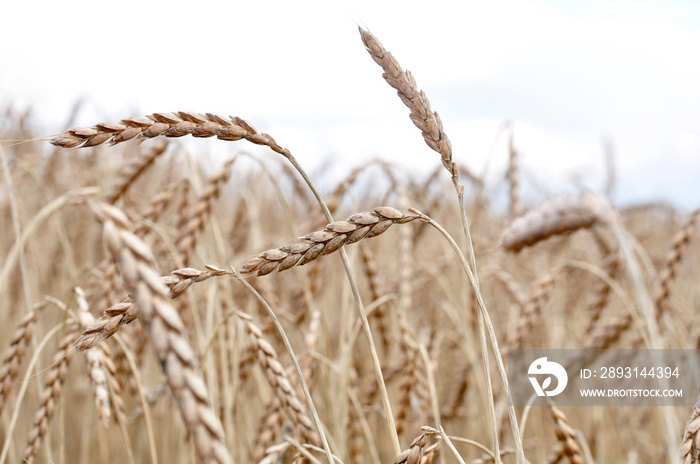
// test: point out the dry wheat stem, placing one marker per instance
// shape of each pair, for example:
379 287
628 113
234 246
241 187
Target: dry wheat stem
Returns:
486 327
167 335
422 115
330 239
14 212
448 441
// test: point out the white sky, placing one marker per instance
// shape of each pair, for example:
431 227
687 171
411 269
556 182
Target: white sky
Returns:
567 73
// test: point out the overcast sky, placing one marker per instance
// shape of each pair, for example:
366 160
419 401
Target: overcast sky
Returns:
568 74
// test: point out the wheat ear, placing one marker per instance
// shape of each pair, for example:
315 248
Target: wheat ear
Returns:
167 334
557 216
330 239
690 446
176 124
673 260
421 114
512 176
566 436
95 362
15 352
280 382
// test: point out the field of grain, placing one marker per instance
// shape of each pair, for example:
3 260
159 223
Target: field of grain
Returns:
145 322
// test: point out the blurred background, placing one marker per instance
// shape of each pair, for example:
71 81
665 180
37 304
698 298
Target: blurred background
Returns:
586 85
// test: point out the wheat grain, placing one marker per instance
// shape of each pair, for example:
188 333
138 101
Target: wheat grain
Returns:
176 124
532 310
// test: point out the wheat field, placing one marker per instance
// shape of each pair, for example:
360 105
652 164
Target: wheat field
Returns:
164 306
